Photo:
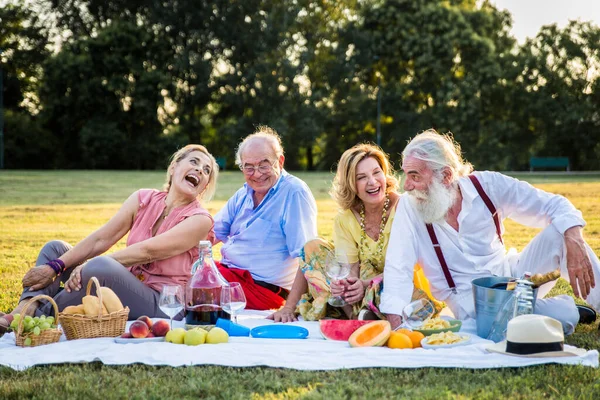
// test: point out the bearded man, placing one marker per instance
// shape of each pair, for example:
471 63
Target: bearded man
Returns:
452 217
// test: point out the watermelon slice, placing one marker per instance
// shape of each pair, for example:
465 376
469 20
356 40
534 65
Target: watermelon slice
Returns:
339 329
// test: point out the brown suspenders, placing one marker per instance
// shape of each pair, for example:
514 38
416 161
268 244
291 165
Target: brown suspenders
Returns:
436 244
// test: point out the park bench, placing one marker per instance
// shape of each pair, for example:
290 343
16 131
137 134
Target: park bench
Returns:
549 162
221 162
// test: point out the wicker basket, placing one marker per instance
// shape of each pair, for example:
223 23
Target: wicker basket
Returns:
45 337
84 327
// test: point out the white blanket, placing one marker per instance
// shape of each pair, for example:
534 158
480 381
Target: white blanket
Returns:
313 353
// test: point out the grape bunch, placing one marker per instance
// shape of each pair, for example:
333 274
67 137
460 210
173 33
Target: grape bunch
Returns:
33 325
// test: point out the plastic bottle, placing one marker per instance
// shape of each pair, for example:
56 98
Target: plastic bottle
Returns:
203 291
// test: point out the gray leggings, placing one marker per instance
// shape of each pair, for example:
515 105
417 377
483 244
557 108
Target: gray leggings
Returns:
141 299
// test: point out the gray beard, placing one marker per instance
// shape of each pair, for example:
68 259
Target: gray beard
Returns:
433 205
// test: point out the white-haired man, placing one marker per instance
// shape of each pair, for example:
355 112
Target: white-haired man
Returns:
265 224
450 222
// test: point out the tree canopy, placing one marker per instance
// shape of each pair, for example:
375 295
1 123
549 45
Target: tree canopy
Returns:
121 84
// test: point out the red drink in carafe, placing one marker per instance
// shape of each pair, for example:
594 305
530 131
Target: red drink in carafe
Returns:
203 292
205 312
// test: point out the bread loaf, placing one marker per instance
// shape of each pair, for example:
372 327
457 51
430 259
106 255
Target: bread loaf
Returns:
74 310
91 305
110 300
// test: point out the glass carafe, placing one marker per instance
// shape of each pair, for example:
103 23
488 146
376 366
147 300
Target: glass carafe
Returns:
203 291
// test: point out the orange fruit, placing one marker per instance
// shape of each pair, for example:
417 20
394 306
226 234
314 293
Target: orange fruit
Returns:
415 337
399 340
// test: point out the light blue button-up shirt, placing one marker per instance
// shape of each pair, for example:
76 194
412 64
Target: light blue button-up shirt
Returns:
267 240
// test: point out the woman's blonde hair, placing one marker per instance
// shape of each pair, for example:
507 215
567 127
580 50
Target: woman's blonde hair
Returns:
182 153
343 189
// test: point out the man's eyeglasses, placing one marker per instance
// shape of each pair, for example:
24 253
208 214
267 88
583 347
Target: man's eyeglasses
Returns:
264 167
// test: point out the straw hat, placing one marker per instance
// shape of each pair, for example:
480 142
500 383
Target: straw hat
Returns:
533 335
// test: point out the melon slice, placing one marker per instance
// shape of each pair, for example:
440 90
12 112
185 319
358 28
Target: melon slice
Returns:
375 333
340 329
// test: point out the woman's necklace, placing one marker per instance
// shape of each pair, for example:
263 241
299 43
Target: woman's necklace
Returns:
380 240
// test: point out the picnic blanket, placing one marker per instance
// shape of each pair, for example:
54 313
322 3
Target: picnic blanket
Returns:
313 353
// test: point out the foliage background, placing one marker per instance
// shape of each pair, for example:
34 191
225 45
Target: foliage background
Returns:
121 84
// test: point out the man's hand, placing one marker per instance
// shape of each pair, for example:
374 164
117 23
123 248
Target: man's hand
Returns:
579 266
74 282
355 290
39 277
283 315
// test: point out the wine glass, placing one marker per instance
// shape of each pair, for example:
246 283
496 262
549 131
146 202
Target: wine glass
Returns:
233 299
337 272
171 301
414 313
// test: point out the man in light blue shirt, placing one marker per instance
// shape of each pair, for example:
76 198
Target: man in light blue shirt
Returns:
266 223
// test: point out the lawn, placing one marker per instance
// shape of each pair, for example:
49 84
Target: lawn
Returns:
37 206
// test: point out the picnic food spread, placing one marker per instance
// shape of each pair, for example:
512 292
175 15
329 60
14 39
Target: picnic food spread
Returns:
97 311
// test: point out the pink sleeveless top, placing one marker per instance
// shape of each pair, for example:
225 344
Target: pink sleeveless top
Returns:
174 270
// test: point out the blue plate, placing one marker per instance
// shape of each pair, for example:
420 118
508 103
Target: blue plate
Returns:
279 332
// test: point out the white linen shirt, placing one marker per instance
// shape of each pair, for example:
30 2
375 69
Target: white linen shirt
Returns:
474 250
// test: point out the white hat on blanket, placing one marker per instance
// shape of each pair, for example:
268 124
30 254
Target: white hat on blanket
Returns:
535 335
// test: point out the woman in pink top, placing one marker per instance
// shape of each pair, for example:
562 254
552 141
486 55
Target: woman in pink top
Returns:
164 229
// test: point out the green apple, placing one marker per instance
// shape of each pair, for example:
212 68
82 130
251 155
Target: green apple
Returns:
217 335
175 336
195 336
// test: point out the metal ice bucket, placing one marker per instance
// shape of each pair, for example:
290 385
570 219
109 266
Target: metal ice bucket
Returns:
489 301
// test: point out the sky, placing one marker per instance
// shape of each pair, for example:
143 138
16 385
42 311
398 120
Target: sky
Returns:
530 15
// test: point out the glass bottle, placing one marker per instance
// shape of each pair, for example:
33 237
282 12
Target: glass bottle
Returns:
203 291
521 302
523 297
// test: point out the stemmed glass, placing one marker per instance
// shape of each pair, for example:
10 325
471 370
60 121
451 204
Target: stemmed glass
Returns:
171 301
416 312
337 272
233 299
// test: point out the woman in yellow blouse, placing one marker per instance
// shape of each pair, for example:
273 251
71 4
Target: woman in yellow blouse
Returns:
365 190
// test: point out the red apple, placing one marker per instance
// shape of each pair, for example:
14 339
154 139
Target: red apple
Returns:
139 329
160 328
146 319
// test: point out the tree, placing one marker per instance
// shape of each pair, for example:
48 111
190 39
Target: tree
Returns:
561 77
102 95
23 48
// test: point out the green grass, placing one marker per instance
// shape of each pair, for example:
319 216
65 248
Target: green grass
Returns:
37 206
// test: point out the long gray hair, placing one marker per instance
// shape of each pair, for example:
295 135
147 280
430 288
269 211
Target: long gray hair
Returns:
438 151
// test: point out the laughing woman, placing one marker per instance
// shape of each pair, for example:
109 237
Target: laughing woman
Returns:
164 229
364 188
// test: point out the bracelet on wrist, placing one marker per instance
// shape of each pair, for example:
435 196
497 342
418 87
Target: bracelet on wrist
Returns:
57 265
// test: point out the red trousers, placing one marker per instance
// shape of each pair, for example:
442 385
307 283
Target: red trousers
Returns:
257 297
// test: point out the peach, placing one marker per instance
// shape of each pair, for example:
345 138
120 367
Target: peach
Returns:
147 320
160 328
126 335
150 335
139 329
